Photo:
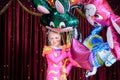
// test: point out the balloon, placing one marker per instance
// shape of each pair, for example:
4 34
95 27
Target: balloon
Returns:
104 15
65 3
80 54
58 17
42 6
93 39
100 51
74 2
90 11
45 6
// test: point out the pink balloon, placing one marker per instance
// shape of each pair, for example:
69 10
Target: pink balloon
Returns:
80 54
109 19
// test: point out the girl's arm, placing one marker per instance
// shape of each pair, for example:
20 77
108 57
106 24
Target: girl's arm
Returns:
68 68
56 59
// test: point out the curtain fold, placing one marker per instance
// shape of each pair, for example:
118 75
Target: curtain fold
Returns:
21 43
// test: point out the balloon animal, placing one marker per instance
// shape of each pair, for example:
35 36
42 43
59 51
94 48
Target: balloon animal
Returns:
98 12
57 18
100 51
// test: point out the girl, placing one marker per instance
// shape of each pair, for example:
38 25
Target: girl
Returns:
58 58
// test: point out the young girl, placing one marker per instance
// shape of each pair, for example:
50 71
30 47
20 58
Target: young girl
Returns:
58 58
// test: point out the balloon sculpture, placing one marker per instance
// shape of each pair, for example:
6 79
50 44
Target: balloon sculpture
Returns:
92 53
98 12
58 18
100 51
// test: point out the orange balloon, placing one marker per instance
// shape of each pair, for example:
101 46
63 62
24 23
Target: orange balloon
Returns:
74 2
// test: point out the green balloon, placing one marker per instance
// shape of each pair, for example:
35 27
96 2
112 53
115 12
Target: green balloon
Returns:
42 3
57 17
66 4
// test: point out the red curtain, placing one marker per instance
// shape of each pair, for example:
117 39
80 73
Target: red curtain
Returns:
21 43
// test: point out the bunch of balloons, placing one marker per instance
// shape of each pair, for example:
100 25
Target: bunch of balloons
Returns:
93 52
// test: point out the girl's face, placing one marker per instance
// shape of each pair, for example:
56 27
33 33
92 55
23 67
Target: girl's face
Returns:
54 39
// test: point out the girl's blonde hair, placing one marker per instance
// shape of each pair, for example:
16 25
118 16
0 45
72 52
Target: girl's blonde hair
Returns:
65 37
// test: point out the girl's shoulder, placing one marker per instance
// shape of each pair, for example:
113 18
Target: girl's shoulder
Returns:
47 50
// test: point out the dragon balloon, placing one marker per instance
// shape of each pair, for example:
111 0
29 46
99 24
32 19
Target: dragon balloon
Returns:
56 18
100 51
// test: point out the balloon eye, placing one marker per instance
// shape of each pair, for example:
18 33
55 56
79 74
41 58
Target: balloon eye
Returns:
52 25
62 25
98 16
95 23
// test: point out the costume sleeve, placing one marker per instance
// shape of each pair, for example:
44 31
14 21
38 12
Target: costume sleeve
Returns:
68 68
56 59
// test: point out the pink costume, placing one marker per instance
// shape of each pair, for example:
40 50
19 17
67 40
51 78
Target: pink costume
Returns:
58 64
